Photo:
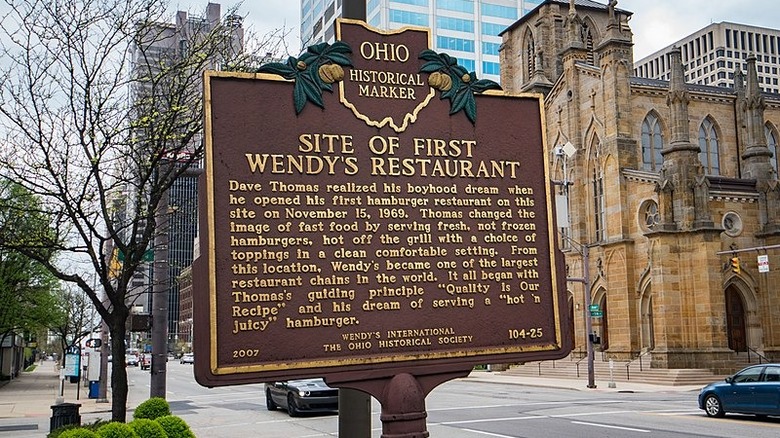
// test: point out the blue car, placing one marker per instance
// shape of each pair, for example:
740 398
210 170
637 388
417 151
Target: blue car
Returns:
753 390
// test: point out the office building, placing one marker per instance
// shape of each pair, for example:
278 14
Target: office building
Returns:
465 29
711 55
172 44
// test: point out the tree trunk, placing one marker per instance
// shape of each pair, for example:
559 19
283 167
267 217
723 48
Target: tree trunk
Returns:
118 370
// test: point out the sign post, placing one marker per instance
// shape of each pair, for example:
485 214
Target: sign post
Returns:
374 214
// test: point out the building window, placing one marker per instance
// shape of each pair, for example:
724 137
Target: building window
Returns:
599 207
708 145
771 143
456 5
466 63
591 55
499 11
458 24
490 48
492 29
530 57
411 2
450 43
652 143
491 68
406 17
648 215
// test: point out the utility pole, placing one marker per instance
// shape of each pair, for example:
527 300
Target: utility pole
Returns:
564 152
585 280
354 405
160 292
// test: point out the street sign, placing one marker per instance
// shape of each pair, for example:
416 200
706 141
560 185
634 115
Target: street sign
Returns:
763 263
596 314
593 307
72 365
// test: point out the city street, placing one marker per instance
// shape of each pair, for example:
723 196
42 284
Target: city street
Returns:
466 408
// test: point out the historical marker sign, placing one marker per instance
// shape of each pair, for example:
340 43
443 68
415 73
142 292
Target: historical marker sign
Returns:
369 206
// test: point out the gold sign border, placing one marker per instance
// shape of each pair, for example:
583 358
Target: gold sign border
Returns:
373 359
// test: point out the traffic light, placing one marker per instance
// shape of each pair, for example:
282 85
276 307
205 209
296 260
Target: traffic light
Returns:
94 343
735 265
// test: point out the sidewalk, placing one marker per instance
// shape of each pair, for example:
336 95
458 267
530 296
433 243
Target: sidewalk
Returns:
25 402
576 384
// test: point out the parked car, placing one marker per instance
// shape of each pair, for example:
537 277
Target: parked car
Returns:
299 396
146 361
753 390
131 360
187 358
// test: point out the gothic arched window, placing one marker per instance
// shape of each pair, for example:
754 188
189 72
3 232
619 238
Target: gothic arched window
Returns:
587 37
530 56
599 204
708 143
771 143
652 143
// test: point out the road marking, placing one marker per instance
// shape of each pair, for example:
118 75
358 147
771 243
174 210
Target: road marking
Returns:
676 413
592 414
491 420
488 433
510 405
608 426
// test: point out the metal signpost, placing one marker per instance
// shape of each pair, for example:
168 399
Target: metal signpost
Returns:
374 214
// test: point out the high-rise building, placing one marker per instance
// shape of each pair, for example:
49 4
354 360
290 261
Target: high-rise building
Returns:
465 29
711 55
172 43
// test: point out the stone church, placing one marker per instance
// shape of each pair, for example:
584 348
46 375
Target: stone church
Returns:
671 186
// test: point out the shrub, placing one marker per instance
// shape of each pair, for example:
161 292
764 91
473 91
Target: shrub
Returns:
153 408
57 433
116 430
78 432
146 428
175 427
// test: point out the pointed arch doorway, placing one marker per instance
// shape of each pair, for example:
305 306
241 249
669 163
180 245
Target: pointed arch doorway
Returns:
735 320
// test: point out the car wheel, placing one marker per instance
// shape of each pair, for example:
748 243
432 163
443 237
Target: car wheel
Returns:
270 404
292 407
713 407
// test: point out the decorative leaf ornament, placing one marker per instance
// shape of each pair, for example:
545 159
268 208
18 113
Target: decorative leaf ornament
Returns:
454 82
313 71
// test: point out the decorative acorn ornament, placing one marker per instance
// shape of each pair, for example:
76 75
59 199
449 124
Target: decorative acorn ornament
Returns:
440 81
330 73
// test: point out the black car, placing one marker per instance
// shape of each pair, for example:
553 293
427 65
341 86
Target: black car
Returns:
299 396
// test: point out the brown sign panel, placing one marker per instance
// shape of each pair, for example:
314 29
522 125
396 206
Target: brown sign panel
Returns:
374 219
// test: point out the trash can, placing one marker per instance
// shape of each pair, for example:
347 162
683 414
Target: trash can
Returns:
94 388
64 414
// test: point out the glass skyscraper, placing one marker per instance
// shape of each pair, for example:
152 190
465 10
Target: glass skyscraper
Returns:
465 29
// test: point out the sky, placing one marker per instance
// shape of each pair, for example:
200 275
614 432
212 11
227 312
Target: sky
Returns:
655 23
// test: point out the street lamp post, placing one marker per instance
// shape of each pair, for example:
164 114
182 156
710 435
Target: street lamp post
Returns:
565 152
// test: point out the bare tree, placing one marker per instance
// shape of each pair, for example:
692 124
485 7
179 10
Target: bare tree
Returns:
100 114
80 317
